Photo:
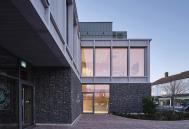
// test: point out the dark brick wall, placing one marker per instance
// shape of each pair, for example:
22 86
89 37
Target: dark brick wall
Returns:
10 112
128 97
53 94
76 96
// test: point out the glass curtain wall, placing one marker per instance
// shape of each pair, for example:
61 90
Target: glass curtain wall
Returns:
102 62
87 62
101 99
88 102
119 62
95 98
88 98
137 62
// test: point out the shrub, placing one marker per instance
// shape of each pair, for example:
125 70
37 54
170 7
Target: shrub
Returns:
148 105
165 116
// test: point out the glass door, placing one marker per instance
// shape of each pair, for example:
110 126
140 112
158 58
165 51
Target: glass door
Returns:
101 98
27 93
95 98
101 102
88 102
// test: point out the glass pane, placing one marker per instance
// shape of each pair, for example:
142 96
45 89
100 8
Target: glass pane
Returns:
119 58
88 103
102 58
28 100
87 88
8 103
101 88
101 102
137 62
87 62
8 91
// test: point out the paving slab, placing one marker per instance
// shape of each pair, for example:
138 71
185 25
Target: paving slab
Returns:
90 121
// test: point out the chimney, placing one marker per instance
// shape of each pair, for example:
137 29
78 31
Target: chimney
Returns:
166 74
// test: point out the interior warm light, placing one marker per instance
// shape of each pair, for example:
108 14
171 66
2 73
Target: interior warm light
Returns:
137 62
87 62
119 62
102 62
95 98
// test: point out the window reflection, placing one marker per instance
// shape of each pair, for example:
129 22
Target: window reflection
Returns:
87 88
8 90
102 65
95 98
137 62
87 62
87 103
101 104
101 88
159 89
119 64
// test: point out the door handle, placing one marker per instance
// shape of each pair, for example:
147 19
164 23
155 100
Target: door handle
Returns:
27 101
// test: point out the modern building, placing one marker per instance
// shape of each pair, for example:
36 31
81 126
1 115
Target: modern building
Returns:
53 68
178 81
115 70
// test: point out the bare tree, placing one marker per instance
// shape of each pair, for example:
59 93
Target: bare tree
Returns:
174 88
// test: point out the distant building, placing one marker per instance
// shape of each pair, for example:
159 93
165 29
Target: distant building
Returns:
164 99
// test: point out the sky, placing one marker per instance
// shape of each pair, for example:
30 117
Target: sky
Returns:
166 22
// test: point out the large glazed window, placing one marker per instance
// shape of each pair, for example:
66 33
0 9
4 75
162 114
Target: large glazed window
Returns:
137 62
88 102
102 65
95 98
119 64
87 62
